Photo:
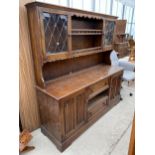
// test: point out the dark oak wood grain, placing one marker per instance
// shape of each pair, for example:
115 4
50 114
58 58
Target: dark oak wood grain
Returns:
75 83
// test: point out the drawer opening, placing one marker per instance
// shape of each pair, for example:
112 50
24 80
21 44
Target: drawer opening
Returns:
98 99
97 92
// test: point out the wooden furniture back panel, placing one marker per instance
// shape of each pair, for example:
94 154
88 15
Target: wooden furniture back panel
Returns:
122 49
59 68
85 23
86 41
121 39
120 26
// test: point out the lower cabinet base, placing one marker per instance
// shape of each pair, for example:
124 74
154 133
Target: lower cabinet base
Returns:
67 142
115 101
52 138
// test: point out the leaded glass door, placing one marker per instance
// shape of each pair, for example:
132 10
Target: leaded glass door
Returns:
109 31
55 32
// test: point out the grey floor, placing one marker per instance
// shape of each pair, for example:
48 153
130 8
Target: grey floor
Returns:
108 136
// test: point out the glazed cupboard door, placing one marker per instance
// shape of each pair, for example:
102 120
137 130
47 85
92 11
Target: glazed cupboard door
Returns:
55 33
74 113
109 27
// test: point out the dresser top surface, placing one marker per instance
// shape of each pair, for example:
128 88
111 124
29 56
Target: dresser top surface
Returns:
66 85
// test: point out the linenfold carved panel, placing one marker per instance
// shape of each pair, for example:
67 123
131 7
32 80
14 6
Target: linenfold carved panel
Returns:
69 116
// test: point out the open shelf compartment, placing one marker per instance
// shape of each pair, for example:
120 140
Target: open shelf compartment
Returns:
98 99
81 43
86 23
87 32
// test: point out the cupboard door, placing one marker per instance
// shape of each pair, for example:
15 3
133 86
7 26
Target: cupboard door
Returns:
80 101
112 87
115 86
55 32
74 113
69 116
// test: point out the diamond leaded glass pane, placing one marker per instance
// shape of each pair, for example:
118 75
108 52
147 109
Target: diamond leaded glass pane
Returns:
55 29
108 39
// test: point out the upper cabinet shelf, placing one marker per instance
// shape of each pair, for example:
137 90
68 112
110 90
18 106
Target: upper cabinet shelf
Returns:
59 33
87 32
